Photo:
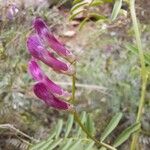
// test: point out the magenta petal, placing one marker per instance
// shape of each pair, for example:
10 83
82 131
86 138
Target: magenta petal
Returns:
37 50
35 70
38 75
46 35
56 89
42 92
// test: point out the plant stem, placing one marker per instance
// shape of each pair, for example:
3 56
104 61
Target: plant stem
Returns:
101 144
73 85
9 126
143 70
77 118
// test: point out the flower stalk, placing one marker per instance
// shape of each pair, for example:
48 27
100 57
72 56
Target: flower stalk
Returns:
73 85
143 71
77 118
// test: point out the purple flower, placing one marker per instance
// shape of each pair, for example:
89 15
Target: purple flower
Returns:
38 51
45 89
38 75
43 92
46 35
12 11
35 70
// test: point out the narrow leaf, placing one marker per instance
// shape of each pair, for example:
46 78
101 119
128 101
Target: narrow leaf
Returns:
38 145
116 9
78 5
59 128
96 16
75 14
55 143
111 126
75 145
134 50
76 1
89 146
52 135
46 145
90 125
126 134
83 23
83 120
66 146
102 148
42 145
69 125
96 3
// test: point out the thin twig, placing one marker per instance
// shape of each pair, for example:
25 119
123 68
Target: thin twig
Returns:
10 126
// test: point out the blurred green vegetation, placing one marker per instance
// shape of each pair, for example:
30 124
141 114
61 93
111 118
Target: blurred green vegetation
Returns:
107 68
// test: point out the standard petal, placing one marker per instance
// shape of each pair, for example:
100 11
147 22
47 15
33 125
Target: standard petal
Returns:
47 36
35 70
38 51
42 92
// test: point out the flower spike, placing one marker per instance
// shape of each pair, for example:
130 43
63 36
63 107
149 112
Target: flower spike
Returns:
46 35
38 51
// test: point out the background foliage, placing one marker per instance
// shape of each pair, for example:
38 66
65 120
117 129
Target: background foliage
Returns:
108 78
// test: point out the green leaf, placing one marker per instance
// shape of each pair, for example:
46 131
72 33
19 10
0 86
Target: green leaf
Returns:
78 5
111 126
46 145
89 147
75 14
83 23
52 135
126 134
134 50
59 128
66 145
108 1
83 120
96 3
69 125
116 9
97 16
42 145
54 144
76 1
90 125
38 145
75 145
103 148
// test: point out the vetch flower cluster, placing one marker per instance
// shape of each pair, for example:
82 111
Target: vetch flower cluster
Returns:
45 89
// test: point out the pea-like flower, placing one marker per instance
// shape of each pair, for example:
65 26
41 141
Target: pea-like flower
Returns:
38 75
43 92
44 88
46 35
38 51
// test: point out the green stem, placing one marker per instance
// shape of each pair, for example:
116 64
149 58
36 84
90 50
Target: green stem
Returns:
77 118
101 144
143 70
73 85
